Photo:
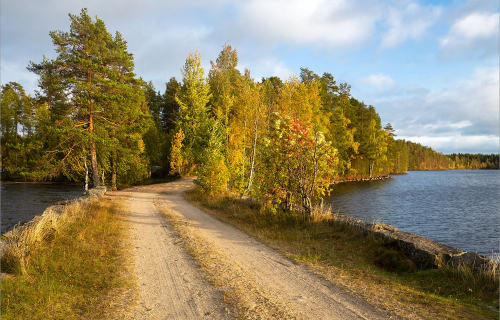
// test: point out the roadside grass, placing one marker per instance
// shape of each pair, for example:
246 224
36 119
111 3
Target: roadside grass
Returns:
363 264
65 267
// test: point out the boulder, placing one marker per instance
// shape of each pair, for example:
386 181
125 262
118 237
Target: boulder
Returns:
424 252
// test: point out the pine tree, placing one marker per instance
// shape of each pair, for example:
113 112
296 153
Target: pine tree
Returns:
170 107
343 131
91 90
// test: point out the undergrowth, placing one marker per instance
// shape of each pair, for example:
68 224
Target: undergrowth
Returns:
64 266
364 264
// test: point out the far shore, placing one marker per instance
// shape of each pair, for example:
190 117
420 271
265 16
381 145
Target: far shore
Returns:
44 182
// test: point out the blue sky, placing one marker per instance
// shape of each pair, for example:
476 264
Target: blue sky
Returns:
430 68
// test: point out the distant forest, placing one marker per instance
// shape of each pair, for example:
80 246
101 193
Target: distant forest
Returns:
417 157
93 116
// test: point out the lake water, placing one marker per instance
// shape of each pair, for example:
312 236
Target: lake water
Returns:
22 201
460 208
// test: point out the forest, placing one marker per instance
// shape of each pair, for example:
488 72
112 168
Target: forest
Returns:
94 117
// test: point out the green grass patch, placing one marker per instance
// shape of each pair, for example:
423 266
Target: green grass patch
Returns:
365 264
65 268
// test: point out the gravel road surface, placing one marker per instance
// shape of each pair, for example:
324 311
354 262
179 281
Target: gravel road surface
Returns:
172 286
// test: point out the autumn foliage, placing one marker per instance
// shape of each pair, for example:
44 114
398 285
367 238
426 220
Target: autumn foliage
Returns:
301 161
282 140
176 158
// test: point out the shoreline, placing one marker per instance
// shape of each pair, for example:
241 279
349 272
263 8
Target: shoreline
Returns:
59 208
378 178
44 182
424 252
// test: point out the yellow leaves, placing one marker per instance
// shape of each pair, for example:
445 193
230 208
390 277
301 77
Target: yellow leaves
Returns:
177 161
213 176
301 100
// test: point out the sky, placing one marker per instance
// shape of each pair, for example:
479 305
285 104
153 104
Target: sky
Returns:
430 68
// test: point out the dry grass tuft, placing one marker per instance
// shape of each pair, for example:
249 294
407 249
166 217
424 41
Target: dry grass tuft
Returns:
22 239
490 269
65 265
321 214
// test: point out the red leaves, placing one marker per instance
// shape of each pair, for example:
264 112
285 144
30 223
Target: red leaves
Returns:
300 159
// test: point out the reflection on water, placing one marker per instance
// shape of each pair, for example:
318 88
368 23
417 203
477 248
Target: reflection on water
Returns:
459 208
22 201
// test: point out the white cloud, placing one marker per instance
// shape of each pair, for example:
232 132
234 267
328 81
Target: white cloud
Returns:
476 26
464 113
379 80
476 98
458 144
339 23
17 73
441 129
410 22
474 32
461 124
266 67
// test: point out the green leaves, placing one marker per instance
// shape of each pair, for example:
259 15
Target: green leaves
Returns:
213 173
90 88
193 109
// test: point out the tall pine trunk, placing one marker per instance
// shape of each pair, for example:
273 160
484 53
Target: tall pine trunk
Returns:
113 180
93 152
113 174
86 174
93 160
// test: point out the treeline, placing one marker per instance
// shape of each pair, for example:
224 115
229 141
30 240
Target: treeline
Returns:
285 140
413 156
474 161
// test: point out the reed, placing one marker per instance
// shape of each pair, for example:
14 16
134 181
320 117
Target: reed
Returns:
65 264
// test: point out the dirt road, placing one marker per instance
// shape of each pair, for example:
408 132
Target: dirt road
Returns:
172 286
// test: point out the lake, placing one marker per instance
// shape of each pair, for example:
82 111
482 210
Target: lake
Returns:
22 201
459 208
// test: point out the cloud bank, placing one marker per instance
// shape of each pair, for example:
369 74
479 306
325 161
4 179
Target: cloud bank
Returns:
431 69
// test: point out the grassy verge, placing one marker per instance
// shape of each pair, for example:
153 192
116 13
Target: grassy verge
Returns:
363 264
66 267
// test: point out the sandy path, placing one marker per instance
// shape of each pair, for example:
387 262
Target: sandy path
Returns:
169 282
171 286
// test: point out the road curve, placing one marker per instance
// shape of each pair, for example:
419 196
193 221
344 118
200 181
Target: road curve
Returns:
172 287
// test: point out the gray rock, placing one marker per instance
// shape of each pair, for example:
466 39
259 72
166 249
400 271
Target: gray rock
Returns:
424 252
476 261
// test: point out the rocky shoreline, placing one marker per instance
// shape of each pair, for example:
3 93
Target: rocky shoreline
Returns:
424 252
43 182
363 179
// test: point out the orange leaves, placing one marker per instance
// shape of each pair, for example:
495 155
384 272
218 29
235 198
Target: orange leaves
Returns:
300 159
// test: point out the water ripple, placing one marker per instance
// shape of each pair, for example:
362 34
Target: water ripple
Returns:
457 207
